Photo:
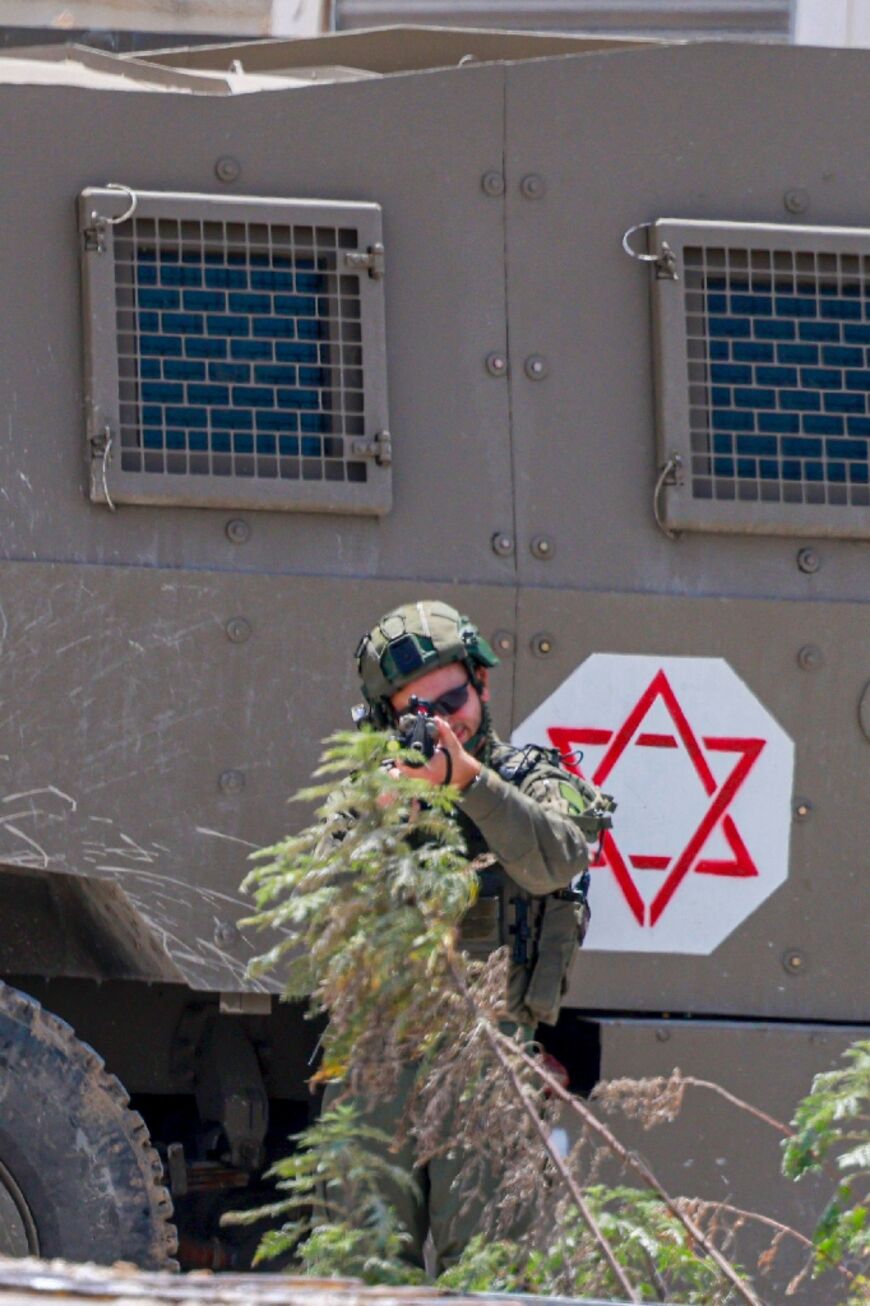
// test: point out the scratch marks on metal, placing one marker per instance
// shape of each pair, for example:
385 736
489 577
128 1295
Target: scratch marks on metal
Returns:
33 854
231 838
103 692
43 828
37 793
158 879
64 648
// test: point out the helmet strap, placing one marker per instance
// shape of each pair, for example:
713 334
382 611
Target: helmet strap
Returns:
481 741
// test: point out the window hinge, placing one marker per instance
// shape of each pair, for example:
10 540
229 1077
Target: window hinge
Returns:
666 264
94 235
100 445
379 447
369 260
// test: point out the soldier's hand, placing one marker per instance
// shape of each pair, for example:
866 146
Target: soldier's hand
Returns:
459 770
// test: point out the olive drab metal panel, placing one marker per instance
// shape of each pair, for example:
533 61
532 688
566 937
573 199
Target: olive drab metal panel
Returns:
762 376
594 146
177 774
170 668
522 407
444 314
590 152
800 953
235 352
713 1149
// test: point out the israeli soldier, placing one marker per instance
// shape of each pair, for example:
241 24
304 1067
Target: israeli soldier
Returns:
527 823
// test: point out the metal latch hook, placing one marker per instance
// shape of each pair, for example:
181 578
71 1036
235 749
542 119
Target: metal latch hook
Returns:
128 213
101 452
670 474
96 232
665 262
122 217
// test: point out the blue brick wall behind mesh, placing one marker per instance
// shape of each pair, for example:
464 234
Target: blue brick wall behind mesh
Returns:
230 353
788 366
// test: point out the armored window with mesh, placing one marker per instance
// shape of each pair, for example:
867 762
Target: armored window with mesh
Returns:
763 377
235 352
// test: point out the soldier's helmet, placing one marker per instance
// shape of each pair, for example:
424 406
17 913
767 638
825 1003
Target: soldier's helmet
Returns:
413 639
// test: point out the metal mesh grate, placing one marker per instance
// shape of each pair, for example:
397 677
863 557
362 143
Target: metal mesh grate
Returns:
239 350
235 351
778 349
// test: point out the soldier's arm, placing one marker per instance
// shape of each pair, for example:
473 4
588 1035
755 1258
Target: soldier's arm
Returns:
534 830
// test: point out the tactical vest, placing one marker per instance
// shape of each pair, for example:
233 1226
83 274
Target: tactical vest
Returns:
542 933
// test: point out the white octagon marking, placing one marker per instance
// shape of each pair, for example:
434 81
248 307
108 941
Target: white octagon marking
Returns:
702 774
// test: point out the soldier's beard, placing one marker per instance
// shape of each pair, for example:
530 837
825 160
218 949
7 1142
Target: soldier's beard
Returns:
480 742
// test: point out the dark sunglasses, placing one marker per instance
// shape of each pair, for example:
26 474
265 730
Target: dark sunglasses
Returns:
452 701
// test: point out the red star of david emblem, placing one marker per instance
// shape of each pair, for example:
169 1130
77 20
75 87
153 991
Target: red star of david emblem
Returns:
720 794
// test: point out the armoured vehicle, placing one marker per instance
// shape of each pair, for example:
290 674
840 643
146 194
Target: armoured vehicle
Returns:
571 333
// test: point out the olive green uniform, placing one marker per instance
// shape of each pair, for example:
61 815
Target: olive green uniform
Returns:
526 823
534 819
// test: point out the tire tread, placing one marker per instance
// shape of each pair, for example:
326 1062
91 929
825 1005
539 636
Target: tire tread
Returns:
29 1013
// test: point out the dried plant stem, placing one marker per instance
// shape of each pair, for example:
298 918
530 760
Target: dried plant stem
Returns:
739 1102
634 1162
772 1224
778 1125
494 1038
559 1165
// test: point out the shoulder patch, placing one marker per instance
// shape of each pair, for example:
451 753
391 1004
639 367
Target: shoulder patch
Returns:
573 797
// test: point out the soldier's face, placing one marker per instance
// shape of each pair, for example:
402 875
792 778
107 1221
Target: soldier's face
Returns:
465 720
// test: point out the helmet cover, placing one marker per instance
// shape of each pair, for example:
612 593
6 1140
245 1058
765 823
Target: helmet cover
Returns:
411 640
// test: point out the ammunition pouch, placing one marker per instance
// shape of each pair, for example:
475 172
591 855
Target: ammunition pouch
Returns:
484 925
482 929
542 935
564 920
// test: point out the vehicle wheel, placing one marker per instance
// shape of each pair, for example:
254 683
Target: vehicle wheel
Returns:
79 1178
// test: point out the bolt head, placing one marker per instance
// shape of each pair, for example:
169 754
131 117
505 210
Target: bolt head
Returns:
231 782
542 645
533 186
238 630
542 547
801 809
492 183
810 657
808 561
502 544
238 531
503 643
496 364
796 200
794 962
536 367
227 168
